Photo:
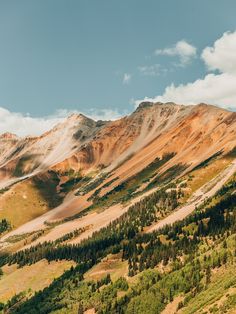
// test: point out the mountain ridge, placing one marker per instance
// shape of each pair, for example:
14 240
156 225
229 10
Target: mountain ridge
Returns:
114 151
136 197
88 145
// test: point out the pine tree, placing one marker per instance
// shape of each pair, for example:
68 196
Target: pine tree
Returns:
80 309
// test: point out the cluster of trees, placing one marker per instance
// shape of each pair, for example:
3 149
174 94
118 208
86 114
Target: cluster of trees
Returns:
150 295
174 246
69 236
167 176
142 251
4 225
124 191
13 303
106 240
147 251
39 251
73 295
91 184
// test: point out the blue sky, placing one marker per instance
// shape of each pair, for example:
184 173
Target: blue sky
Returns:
104 54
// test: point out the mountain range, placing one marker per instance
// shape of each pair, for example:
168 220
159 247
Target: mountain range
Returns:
106 216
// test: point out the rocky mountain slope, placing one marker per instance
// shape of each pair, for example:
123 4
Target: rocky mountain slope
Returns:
26 156
82 144
87 180
80 150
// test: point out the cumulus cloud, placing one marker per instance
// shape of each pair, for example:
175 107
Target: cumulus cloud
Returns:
182 49
126 78
222 56
25 125
214 88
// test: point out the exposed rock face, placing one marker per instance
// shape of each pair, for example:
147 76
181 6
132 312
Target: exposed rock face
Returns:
80 156
48 149
193 132
81 144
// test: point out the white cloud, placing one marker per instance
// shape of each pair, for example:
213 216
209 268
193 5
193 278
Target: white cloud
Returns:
104 114
150 70
24 125
218 89
126 78
213 89
181 49
222 56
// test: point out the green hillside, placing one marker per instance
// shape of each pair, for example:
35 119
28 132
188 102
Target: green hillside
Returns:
192 262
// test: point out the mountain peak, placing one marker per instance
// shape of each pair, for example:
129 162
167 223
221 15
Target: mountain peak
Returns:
77 117
8 135
145 104
149 104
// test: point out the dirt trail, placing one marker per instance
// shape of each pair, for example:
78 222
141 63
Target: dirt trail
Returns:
206 191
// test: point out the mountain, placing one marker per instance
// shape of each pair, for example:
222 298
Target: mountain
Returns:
101 196
31 155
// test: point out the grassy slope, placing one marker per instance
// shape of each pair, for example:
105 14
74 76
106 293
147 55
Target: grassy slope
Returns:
199 177
218 297
29 199
22 203
223 285
34 277
112 265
